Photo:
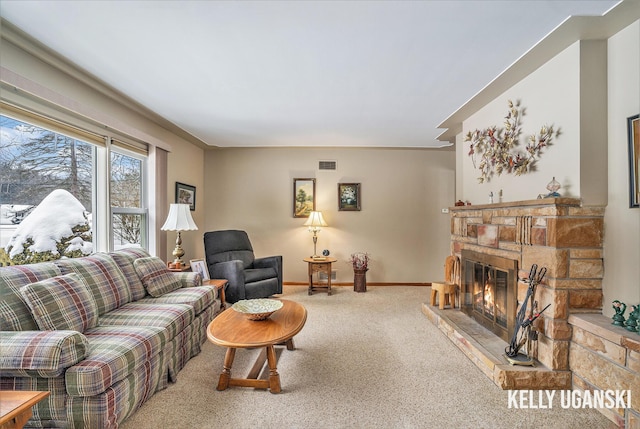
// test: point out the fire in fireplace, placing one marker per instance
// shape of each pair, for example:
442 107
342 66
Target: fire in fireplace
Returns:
488 291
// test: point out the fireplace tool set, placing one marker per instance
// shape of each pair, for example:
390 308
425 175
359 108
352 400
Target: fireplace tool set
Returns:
524 332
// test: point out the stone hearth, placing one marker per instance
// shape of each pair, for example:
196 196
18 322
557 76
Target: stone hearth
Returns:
485 349
557 233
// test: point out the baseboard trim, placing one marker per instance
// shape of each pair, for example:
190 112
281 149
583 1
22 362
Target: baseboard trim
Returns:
368 284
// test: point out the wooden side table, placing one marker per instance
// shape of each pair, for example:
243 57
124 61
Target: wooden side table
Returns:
319 266
15 407
219 284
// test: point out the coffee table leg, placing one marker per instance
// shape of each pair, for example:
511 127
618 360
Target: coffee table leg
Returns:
274 377
223 383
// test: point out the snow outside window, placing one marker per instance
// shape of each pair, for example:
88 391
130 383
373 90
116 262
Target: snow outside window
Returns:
53 178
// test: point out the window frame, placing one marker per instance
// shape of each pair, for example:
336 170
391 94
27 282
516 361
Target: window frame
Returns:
143 211
103 146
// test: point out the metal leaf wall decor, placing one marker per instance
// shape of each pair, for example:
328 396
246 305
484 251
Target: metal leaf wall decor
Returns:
498 150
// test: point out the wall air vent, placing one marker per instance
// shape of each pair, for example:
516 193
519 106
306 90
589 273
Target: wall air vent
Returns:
327 165
322 276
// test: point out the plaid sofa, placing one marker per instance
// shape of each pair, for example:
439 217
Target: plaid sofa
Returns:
102 333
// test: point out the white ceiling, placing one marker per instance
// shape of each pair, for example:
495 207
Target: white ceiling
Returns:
298 73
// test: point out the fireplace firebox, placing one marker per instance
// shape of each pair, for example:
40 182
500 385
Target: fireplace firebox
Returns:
488 291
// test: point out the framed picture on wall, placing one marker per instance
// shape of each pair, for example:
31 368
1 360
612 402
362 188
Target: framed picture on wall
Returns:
304 197
349 196
186 194
634 161
199 266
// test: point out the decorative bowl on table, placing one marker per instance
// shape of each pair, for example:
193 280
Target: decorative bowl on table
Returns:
257 309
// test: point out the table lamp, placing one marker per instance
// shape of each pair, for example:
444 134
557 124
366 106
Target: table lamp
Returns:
315 222
179 219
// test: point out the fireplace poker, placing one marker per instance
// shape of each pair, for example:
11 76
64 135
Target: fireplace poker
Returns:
527 325
522 330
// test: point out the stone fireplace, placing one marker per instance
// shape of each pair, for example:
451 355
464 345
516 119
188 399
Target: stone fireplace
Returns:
497 245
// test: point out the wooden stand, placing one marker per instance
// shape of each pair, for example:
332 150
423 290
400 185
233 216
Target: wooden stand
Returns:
320 266
178 269
446 294
15 407
219 284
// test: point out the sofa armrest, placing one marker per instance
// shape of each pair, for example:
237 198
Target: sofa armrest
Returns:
40 353
188 279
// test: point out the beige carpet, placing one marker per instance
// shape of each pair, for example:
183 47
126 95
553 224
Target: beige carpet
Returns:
369 360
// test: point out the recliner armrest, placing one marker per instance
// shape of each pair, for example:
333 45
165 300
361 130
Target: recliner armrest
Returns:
233 271
274 262
269 262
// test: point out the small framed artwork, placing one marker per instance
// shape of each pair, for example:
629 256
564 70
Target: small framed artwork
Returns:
304 197
349 197
199 266
633 126
186 194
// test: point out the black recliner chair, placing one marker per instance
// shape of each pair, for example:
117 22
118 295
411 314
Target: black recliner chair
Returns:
229 255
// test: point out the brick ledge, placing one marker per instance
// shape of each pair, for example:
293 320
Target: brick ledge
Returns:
601 326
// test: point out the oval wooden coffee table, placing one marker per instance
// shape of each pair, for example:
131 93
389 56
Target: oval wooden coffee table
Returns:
234 331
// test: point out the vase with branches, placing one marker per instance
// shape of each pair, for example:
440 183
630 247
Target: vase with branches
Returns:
360 263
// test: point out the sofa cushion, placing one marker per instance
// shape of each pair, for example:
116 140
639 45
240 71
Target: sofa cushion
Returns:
124 258
155 276
14 313
61 303
105 280
172 317
114 353
199 297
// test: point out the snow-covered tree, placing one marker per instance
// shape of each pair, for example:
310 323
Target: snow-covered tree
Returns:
58 227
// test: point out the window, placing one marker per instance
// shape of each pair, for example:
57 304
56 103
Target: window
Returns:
128 215
36 161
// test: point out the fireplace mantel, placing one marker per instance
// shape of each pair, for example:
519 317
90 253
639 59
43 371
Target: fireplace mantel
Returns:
574 202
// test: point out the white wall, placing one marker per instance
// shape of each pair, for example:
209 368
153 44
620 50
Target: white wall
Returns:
400 223
568 92
622 224
186 165
36 73
550 96
403 191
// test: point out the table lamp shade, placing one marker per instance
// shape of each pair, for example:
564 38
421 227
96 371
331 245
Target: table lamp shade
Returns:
179 219
315 220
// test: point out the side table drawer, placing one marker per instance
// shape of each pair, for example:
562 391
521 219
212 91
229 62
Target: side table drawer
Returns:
326 268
